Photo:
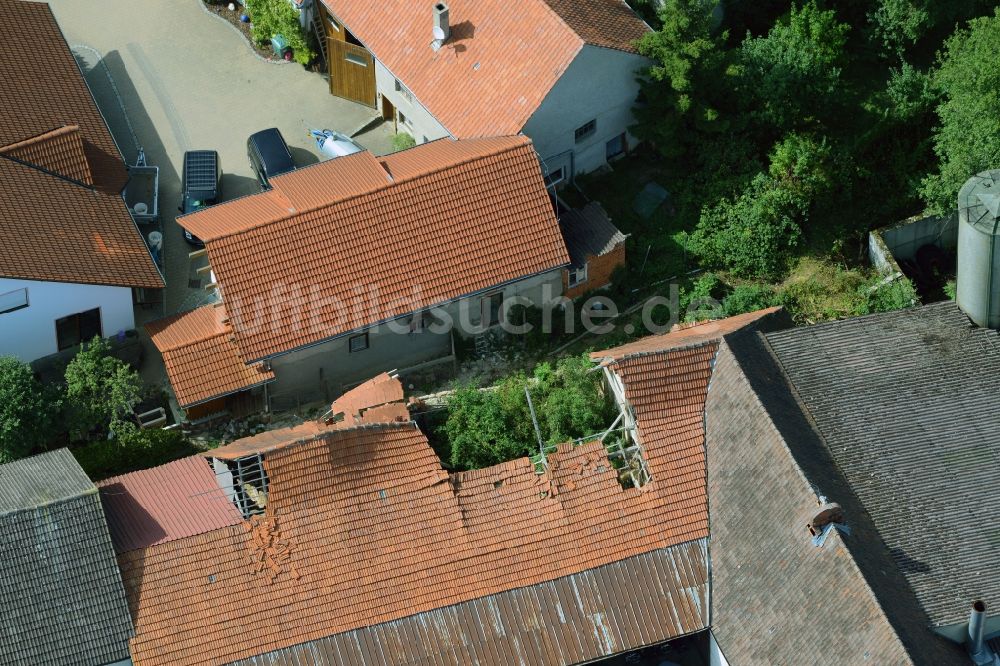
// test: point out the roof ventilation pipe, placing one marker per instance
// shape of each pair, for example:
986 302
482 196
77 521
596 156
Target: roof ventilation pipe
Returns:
442 30
979 651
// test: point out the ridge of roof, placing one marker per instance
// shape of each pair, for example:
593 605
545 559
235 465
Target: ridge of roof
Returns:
337 167
196 325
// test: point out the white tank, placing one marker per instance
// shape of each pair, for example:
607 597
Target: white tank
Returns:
978 283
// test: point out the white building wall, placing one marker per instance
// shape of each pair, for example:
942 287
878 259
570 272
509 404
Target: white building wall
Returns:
419 122
30 333
715 656
600 84
326 370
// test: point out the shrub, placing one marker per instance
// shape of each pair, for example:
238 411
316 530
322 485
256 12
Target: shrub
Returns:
754 234
749 298
132 449
402 141
881 296
100 390
278 17
27 413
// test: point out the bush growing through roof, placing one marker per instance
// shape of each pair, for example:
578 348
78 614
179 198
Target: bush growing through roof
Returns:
132 449
486 427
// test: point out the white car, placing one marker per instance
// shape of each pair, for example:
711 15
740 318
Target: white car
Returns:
335 144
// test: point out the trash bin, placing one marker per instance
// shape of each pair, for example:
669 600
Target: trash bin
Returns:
280 45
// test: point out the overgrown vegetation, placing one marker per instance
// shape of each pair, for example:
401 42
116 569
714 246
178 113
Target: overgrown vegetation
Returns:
402 141
279 17
91 411
488 426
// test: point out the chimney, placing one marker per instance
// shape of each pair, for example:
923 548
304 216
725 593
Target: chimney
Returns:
979 651
441 28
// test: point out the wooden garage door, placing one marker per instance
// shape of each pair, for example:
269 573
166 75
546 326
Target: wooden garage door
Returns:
352 72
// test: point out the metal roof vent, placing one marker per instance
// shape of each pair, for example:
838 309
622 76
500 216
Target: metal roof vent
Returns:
978 284
979 650
442 30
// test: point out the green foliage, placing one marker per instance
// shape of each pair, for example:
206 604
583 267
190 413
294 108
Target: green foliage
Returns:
100 390
967 139
909 94
794 71
278 17
749 298
130 450
27 412
880 296
402 141
684 88
486 427
702 300
898 24
754 234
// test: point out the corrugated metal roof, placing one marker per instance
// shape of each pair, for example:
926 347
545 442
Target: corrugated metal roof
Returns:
906 402
172 501
638 601
588 232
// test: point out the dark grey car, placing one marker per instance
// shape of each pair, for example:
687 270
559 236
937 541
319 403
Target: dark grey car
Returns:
269 156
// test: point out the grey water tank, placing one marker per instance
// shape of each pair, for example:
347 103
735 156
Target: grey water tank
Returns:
978 284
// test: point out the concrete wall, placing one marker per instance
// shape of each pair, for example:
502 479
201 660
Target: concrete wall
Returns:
324 371
420 123
600 84
30 333
904 239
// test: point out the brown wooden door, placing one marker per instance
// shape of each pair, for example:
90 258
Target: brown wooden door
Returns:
352 72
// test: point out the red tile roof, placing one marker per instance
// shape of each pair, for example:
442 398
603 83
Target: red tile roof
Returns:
456 218
364 527
50 91
201 359
50 125
173 501
59 151
37 242
501 59
683 335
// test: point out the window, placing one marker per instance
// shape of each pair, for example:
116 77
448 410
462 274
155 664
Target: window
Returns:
554 177
615 147
586 130
77 328
419 322
358 343
404 91
577 275
13 300
403 119
356 59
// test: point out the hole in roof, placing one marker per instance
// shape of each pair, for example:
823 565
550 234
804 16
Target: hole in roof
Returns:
382 494
497 484
476 67
211 578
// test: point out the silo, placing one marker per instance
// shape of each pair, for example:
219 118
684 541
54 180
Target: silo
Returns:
978 283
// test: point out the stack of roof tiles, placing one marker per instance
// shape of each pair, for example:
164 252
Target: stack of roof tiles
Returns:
501 59
416 229
61 216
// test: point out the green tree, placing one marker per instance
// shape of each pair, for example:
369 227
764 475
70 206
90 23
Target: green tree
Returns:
132 449
100 390
967 139
278 17
572 402
27 413
794 71
683 88
488 427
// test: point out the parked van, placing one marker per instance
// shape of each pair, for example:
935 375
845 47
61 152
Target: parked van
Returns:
201 185
269 156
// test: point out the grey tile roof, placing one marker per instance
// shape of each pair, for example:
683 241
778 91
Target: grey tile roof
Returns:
588 232
906 403
61 593
777 598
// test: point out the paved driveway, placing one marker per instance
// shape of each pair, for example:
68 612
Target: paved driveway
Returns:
187 80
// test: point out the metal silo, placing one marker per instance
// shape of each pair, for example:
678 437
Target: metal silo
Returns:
978 284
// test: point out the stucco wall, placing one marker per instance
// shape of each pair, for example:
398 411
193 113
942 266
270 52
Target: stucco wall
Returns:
323 371
30 333
600 84
422 125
